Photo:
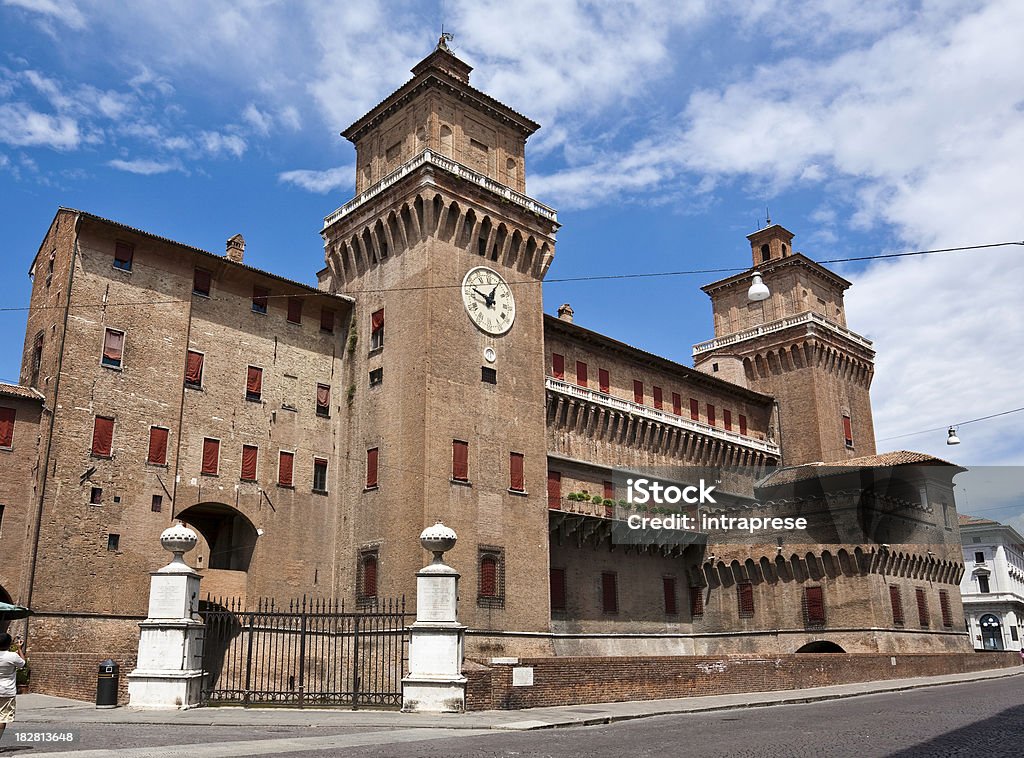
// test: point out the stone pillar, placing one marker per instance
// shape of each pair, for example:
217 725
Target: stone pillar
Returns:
169 671
435 683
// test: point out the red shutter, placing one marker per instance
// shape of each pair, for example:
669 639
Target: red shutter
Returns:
194 368
922 608
694 410
581 373
102 436
727 420
489 576
285 466
658 399
323 399
259 299
369 588
123 255
516 477
711 415
604 383
254 382
326 320
7 416
113 347
157 445
371 466
295 310
814 606
377 321
555 490
638 391
848 431
609 595
696 602
460 460
211 456
668 586
743 424
558 366
201 282
557 589
745 599
250 454
677 404
897 605
947 614
609 491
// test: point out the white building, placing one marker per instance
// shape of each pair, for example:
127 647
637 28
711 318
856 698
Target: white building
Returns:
993 583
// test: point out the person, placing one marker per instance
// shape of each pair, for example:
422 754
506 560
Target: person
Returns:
10 663
1022 656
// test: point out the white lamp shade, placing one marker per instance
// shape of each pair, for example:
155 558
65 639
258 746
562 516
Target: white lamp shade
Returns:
758 290
952 439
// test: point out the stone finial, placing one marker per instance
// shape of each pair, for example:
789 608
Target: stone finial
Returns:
235 249
178 539
438 539
565 312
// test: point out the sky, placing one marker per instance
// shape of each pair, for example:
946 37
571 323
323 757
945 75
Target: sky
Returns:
667 129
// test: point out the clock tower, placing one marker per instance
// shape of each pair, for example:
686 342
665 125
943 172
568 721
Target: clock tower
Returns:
444 255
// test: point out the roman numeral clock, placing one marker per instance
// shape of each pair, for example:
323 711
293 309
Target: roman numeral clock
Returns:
488 300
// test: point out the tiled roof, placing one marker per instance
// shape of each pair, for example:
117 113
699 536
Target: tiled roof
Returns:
968 520
793 474
18 390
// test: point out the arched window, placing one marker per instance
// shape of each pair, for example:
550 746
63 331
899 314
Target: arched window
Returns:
447 141
991 632
766 253
367 580
490 578
510 170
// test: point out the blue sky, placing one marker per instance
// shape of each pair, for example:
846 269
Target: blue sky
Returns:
666 128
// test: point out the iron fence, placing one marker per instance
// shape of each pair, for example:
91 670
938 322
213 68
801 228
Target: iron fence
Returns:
313 652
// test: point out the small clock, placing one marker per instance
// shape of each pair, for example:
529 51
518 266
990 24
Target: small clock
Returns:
488 300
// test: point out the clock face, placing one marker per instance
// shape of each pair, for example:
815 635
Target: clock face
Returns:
488 300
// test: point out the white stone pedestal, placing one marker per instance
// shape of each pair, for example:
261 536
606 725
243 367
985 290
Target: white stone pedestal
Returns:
435 683
169 670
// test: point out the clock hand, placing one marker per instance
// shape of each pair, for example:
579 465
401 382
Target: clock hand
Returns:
490 298
481 294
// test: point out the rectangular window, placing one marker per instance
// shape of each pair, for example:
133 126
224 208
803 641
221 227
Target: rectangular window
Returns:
557 589
694 410
668 591
555 490
319 475
847 430
211 456
488 375
377 329
102 436
557 366
194 369
124 254
254 383
157 446
2 507
295 310
113 542
460 461
372 457
491 579
113 348
96 496
517 478
659 401
37 357
711 415
677 404
7 416
327 320
608 490
259 299
285 467
1013 630
983 584
157 504
609 592
743 424
376 377
581 374
896 600
745 600
696 602
727 420
367 578
603 381
250 457
947 614
323 400
638 391
922 607
979 557
814 607
201 279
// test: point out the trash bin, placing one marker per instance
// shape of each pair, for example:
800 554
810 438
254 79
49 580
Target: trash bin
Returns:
106 684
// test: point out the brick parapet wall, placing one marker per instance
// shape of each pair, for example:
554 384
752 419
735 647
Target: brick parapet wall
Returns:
576 681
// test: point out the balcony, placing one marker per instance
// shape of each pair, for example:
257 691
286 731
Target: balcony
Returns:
654 414
778 326
455 169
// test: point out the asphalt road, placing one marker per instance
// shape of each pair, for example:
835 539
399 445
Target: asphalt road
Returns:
977 718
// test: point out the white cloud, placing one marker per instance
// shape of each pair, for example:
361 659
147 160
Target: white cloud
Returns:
216 143
257 119
21 125
146 167
320 181
65 11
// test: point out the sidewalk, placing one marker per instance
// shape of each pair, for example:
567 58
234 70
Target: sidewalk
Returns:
43 709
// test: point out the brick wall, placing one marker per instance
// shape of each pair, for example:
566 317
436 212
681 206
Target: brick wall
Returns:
575 681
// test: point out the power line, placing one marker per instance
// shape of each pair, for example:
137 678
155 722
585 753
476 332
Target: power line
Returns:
947 426
555 280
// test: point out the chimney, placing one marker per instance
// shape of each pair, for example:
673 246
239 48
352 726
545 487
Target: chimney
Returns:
565 312
235 248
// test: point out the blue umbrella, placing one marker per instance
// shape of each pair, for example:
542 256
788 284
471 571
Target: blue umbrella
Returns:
10 612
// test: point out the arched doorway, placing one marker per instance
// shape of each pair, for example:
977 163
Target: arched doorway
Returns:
821 646
991 632
229 535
